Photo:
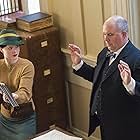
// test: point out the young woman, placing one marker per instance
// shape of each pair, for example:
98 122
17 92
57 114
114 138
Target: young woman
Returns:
17 74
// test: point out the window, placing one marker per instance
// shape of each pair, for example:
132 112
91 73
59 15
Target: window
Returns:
33 6
12 6
9 6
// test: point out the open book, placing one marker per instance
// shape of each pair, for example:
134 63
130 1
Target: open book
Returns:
56 135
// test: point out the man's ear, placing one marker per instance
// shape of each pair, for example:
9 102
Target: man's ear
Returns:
125 34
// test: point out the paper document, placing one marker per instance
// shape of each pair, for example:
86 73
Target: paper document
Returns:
56 135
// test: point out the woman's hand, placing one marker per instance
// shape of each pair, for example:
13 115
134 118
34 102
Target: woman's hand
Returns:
5 98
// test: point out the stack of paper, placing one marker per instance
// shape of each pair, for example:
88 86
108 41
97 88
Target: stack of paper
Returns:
56 135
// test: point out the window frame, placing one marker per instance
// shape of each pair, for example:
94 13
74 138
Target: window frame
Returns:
12 8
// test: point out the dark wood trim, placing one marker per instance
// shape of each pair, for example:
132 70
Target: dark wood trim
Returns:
20 5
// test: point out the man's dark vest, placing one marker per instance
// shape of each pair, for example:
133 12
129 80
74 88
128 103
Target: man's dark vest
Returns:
96 104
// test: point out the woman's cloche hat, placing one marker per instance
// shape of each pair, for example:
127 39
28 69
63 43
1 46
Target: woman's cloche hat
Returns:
9 37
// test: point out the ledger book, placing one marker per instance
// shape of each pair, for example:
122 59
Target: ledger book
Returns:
56 134
34 22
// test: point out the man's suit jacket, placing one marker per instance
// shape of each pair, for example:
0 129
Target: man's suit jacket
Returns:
121 111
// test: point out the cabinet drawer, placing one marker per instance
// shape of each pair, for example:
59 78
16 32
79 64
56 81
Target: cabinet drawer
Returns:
43 49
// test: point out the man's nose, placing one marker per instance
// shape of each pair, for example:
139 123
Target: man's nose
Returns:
106 38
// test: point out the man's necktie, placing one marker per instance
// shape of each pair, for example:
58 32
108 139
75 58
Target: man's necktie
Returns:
110 54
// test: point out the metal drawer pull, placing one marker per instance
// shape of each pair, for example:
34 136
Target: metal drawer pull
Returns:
47 72
44 44
50 100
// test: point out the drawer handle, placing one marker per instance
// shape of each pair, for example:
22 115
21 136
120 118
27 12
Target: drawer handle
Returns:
50 100
47 72
44 44
53 126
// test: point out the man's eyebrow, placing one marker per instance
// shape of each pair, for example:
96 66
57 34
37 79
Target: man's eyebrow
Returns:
109 34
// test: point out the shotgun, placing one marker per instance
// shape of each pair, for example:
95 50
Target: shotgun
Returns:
8 93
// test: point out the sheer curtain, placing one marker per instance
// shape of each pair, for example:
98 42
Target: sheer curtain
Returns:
30 6
33 6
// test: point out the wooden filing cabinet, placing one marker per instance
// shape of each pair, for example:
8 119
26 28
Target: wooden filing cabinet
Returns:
43 49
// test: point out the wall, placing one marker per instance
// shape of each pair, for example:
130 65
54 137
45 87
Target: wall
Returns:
80 22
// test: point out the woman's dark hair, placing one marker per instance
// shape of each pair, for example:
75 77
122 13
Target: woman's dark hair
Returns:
2 46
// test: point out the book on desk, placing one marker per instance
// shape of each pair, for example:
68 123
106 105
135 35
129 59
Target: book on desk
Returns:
34 22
